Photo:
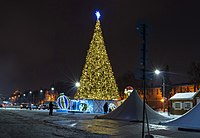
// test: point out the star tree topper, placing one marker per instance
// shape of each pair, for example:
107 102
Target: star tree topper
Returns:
98 14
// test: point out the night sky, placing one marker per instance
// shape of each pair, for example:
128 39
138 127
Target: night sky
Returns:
42 41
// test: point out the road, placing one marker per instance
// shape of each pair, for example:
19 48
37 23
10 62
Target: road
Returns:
38 124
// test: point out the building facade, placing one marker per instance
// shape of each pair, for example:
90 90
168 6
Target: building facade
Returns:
155 99
180 103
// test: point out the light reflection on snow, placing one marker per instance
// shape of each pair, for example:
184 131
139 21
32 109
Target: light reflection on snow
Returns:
73 124
158 127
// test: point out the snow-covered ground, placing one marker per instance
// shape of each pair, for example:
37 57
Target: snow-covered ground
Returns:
169 115
38 124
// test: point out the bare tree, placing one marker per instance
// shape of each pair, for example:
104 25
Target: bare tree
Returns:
127 79
194 72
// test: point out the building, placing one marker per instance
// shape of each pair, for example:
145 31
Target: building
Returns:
180 103
155 99
50 95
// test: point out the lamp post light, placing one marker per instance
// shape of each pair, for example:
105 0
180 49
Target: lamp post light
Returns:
158 72
52 88
77 84
24 97
41 96
31 96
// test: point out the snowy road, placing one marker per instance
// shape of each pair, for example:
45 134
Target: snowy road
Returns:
38 124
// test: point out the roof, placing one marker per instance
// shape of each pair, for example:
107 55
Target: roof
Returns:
183 96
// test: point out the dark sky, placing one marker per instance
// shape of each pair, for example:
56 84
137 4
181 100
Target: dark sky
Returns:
42 41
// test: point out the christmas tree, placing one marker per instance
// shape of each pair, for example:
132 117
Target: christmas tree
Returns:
97 80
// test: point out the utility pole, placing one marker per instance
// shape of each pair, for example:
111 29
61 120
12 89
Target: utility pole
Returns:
143 29
144 75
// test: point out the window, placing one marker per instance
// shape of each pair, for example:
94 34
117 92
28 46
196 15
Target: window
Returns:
177 105
187 105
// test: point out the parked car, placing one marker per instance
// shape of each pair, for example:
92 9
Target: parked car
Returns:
34 106
43 106
24 106
46 106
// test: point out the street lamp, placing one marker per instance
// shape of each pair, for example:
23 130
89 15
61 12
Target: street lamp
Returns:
77 84
41 95
31 96
158 72
52 88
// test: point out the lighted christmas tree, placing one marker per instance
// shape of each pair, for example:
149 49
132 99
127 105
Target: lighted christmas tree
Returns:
97 80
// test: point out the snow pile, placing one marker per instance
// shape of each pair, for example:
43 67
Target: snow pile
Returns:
132 110
189 120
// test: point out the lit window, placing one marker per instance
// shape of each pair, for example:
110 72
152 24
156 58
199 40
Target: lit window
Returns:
177 105
187 105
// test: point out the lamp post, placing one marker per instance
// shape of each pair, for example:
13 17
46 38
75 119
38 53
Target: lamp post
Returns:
24 98
77 84
157 72
41 96
31 96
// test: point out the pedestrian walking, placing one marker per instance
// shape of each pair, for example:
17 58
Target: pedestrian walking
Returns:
51 108
105 108
29 106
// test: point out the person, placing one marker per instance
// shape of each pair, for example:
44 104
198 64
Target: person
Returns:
29 106
105 108
109 110
51 108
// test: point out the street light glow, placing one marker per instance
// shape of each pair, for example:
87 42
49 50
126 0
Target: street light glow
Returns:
41 91
30 92
162 100
157 72
77 84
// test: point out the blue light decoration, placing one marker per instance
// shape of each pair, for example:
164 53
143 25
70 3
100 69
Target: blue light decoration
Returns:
63 101
98 14
81 105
